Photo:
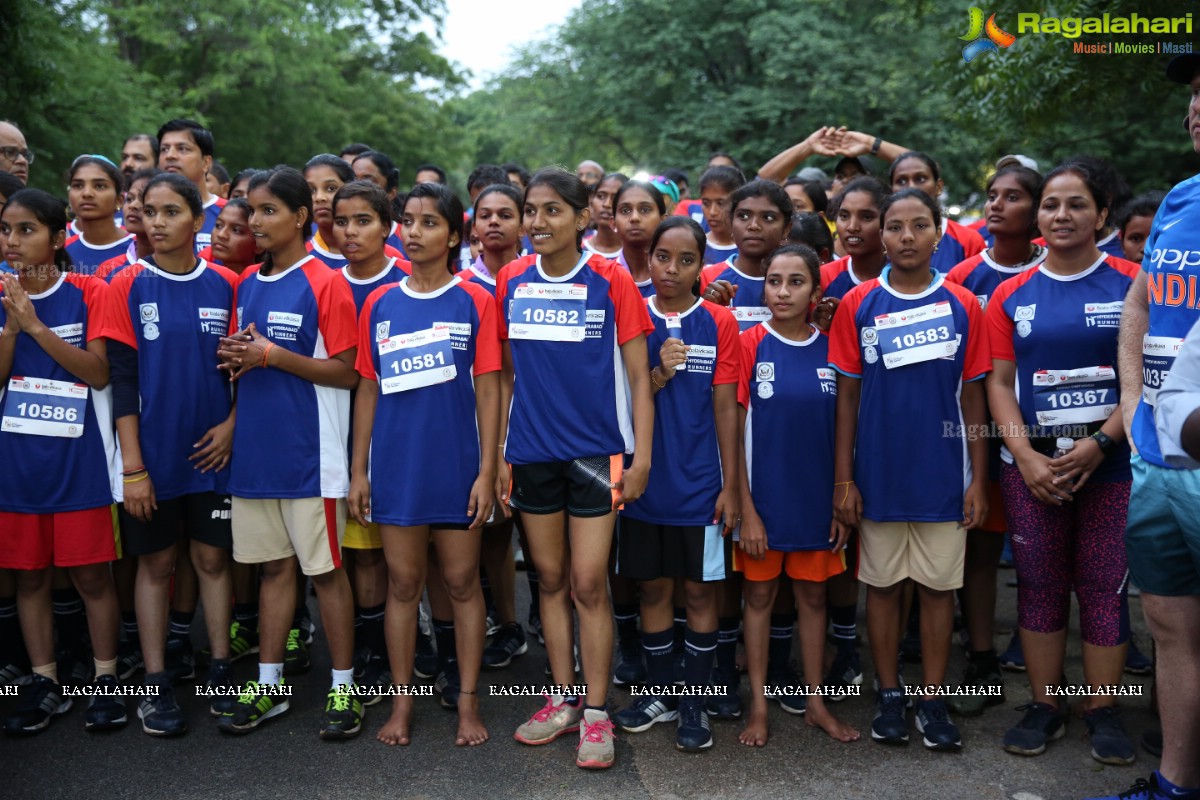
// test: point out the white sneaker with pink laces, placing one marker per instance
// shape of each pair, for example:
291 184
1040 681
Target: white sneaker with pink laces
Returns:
596 735
556 718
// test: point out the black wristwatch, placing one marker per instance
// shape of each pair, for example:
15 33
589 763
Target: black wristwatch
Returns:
875 146
1107 445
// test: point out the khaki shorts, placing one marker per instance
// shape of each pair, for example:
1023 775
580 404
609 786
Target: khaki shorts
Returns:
931 553
309 528
359 538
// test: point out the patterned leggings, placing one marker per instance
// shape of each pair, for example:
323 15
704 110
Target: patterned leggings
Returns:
1080 545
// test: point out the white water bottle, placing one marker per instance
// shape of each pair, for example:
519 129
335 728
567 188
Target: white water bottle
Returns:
1063 446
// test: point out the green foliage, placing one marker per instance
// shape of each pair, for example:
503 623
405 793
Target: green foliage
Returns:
276 80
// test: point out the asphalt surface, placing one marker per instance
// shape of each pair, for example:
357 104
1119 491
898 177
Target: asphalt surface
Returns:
285 758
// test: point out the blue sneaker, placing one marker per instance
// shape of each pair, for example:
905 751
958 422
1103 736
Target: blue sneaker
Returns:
1149 790
425 661
631 664
729 704
844 672
1110 743
41 700
1041 724
787 692
694 733
1013 659
890 725
106 709
935 727
160 712
645 711
1137 662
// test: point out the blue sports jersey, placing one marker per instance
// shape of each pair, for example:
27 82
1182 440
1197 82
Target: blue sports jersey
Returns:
789 392
838 277
748 307
687 477
175 323
289 440
1112 245
394 272
1066 355
981 275
645 288
212 210
912 353
1171 262
424 351
395 241
570 392
958 243
718 253
87 258
56 432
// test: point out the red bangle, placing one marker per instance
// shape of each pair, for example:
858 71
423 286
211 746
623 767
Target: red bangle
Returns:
134 471
267 350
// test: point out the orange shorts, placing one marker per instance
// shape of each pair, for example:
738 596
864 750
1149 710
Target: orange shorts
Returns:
801 565
65 539
995 522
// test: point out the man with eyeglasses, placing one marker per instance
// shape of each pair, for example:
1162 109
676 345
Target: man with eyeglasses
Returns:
15 155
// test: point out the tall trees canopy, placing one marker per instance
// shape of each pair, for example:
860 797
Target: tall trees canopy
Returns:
631 83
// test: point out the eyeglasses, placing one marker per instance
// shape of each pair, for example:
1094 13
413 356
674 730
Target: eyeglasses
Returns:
11 153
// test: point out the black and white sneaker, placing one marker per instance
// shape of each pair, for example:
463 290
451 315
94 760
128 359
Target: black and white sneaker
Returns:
106 710
41 700
508 643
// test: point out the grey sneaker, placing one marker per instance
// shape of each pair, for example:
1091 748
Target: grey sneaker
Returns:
556 718
596 736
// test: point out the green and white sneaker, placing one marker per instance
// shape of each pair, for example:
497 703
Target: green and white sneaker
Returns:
343 713
254 706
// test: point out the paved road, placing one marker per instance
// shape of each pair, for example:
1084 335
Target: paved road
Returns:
286 759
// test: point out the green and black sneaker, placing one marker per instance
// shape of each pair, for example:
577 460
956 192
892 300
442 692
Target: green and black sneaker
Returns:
257 703
243 641
343 713
295 654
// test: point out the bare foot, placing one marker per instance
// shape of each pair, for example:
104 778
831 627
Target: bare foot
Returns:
755 732
818 716
395 730
471 730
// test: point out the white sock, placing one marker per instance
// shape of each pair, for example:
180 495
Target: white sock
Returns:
270 673
343 677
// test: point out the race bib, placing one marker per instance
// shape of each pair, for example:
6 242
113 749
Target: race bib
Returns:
416 360
749 316
916 335
1074 396
41 407
1158 355
700 358
549 312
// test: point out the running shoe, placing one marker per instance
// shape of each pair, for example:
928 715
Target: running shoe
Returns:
1137 662
936 729
159 711
1041 724
129 658
377 677
645 711
343 714
1013 658
1143 789
243 640
41 700
447 686
106 709
785 686
596 735
1110 743
254 707
694 733
534 628
728 704
180 658
295 653
425 660
507 644
631 663
223 696
982 674
13 674
553 720
890 725
844 672
305 623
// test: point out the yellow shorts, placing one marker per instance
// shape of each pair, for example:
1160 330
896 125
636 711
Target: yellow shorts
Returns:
359 538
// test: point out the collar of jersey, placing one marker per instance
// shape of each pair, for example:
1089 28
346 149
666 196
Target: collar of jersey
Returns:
1078 276
732 262
885 283
91 246
61 277
272 278
192 274
583 259
318 244
1019 268
455 281
816 335
391 262
651 303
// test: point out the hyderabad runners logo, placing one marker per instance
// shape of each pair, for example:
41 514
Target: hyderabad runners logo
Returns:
984 37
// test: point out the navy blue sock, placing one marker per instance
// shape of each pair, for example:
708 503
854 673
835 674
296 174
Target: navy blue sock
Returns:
372 630
626 616
680 627
727 638
845 627
700 650
657 648
181 624
70 621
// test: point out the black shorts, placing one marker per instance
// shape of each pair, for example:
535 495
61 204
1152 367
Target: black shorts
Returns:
647 551
204 516
584 486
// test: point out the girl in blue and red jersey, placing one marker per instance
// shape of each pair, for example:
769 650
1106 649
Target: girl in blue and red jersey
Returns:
233 245
637 208
131 211
1054 352
175 423
292 358
861 236
910 340
716 185
429 346
788 395
94 191
677 530
574 329
497 223
1010 212
380 170
760 214
326 173
913 170
57 420
604 239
